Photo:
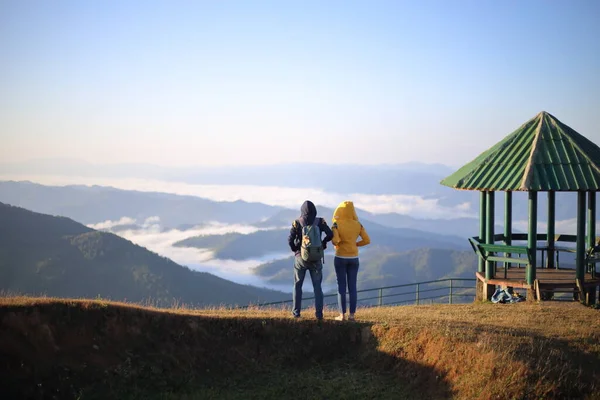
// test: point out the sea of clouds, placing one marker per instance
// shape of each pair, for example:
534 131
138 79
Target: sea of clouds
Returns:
150 234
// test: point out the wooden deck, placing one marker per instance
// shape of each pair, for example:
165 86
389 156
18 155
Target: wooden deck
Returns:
549 278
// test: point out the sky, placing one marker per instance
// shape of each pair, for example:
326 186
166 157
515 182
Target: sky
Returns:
182 83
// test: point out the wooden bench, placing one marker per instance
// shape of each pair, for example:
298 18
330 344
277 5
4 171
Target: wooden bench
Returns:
488 252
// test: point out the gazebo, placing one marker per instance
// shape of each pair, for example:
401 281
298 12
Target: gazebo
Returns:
543 155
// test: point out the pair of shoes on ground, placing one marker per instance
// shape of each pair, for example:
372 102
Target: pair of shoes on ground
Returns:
341 317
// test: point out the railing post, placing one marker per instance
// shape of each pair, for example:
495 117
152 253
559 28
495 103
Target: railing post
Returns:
532 238
450 296
380 303
507 226
580 244
490 266
417 294
482 228
551 229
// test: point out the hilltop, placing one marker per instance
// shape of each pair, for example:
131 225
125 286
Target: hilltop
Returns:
67 349
56 256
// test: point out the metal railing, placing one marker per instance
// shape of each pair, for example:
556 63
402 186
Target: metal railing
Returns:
447 290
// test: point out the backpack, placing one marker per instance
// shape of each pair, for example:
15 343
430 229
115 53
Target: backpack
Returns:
311 247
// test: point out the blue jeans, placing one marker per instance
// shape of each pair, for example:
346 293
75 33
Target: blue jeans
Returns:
316 275
346 271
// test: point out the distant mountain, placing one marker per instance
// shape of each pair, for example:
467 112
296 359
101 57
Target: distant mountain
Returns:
459 227
380 267
56 256
418 179
90 205
408 178
238 246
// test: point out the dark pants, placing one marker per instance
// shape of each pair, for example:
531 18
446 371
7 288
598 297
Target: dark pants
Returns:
346 271
316 275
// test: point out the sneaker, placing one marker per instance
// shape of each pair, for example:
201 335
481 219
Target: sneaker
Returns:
350 317
340 317
295 316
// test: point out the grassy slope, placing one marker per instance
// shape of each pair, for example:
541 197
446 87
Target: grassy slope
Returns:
92 349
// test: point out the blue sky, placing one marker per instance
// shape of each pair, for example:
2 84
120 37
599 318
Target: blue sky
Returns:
256 82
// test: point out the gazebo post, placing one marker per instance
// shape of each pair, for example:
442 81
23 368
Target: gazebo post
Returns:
551 227
507 225
591 237
490 266
532 243
479 291
482 228
580 247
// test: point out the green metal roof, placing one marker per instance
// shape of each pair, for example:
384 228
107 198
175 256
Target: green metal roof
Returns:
543 154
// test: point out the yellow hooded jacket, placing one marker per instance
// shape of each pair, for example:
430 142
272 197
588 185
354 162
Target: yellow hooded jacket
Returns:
346 230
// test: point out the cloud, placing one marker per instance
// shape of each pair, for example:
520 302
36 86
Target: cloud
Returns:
412 205
111 224
151 220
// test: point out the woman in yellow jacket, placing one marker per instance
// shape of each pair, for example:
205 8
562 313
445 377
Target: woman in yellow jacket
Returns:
346 231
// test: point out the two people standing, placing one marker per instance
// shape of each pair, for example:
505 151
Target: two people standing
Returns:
309 253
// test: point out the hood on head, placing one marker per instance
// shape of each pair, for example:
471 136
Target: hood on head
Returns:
345 210
308 212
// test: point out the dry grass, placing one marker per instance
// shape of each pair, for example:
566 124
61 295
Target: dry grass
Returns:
475 351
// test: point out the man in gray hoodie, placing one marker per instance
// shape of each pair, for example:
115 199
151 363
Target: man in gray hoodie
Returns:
308 217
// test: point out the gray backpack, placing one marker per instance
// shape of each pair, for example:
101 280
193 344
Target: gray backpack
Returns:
311 248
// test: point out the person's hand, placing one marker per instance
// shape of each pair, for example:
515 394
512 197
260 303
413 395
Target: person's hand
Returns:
324 245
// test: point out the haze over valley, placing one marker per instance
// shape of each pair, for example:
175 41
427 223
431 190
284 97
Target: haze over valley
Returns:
239 231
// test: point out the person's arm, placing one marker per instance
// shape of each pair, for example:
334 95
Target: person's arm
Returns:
292 237
336 235
328 233
364 236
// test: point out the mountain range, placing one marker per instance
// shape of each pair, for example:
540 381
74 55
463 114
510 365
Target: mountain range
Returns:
417 179
56 256
94 204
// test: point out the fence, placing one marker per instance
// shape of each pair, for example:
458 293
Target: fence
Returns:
447 290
